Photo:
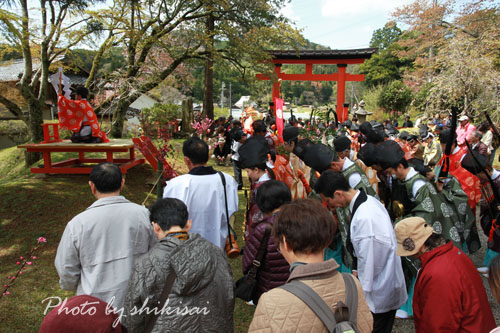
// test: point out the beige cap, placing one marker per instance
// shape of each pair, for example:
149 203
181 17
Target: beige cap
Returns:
411 234
463 118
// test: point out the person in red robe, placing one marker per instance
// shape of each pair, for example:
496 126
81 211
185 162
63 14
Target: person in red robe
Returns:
79 117
286 172
470 183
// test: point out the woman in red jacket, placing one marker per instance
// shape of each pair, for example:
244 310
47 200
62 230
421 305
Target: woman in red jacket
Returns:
274 269
449 293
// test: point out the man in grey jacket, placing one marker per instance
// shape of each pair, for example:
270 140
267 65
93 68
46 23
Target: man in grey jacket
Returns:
99 246
201 298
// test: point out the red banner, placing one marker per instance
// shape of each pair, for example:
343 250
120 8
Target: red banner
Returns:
278 103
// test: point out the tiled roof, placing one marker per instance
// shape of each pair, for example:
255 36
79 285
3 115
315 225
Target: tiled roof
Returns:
323 54
12 70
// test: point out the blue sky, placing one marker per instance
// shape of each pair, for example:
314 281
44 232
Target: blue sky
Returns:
341 24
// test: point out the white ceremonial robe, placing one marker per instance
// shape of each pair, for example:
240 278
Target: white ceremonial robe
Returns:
379 268
99 246
204 198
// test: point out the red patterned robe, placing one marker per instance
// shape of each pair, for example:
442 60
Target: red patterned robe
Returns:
470 183
293 178
72 113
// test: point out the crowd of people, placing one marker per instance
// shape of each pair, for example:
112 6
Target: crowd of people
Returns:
353 231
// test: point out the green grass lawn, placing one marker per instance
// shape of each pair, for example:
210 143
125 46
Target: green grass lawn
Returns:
34 206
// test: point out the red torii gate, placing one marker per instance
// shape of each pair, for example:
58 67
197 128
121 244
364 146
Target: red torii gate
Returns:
341 58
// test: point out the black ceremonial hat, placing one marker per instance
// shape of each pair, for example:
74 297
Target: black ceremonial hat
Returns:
423 131
301 148
290 133
419 166
319 157
253 152
368 154
347 123
391 130
342 143
403 135
372 135
470 164
354 127
389 153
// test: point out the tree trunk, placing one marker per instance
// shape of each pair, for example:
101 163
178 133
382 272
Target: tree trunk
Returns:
35 122
187 115
208 92
119 118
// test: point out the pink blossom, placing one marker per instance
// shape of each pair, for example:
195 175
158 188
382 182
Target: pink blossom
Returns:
18 263
7 293
21 258
28 263
8 277
13 278
21 272
41 240
34 257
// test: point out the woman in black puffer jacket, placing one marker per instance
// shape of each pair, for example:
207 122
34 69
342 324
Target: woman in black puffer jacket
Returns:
274 269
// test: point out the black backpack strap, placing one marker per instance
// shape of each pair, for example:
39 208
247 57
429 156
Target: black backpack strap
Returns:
151 321
259 258
227 212
351 298
314 301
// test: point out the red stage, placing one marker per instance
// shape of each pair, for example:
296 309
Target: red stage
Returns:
341 58
74 165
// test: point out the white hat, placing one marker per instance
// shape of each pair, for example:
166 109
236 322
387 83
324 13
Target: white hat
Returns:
463 118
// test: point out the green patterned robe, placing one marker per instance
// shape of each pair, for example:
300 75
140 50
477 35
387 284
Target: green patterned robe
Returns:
447 211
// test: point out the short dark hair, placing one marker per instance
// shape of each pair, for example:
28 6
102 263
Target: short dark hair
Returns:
434 240
107 177
483 127
384 165
82 91
403 162
237 134
329 182
306 224
272 195
259 126
196 150
169 212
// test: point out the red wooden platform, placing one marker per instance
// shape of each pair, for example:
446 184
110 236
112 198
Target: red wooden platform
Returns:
74 165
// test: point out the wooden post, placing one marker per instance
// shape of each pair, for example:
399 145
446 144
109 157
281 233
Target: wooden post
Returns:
341 68
276 85
159 185
346 111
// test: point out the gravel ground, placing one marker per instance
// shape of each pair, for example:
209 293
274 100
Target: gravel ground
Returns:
406 325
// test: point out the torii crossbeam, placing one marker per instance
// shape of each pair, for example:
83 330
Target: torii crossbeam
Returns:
341 58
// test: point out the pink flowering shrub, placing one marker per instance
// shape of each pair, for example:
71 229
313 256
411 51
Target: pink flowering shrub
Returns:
23 263
202 127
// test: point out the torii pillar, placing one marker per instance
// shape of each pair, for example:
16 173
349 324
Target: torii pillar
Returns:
341 58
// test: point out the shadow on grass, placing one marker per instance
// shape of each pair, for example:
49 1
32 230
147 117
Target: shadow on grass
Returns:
33 207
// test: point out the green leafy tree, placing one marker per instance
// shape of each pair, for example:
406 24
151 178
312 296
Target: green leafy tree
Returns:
395 96
382 38
325 92
387 64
